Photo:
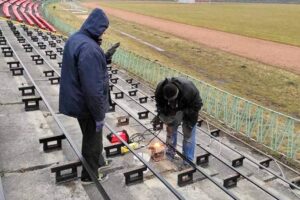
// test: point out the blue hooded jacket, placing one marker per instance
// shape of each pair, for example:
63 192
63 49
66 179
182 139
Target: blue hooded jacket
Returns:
84 86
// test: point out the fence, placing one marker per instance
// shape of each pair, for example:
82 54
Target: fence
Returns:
274 130
63 27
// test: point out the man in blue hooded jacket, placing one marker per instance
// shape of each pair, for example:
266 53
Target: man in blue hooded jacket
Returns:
84 87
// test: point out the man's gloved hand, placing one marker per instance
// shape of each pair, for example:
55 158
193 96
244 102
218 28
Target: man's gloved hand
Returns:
99 125
110 52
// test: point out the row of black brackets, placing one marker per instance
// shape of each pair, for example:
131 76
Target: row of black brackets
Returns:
50 74
52 43
142 114
27 47
37 59
216 133
24 27
185 177
133 176
120 95
68 172
115 80
65 172
27 31
51 54
238 161
14 67
58 39
13 28
2 40
21 39
7 51
30 101
59 50
41 45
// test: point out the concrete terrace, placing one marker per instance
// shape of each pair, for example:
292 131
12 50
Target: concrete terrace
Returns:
26 169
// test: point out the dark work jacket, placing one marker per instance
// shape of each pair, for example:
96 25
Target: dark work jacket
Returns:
188 100
84 86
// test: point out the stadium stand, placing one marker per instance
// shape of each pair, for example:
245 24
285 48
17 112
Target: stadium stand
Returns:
2 2
16 13
25 11
5 9
36 21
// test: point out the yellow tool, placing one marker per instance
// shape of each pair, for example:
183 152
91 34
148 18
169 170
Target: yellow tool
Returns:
133 145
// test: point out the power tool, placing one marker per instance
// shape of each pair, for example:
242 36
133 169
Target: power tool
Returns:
114 139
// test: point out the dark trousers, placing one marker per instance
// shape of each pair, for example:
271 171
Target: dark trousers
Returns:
92 146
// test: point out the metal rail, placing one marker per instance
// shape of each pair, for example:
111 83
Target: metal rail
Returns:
258 164
206 149
247 157
167 184
245 143
204 173
38 52
182 156
229 164
53 47
256 149
69 139
254 162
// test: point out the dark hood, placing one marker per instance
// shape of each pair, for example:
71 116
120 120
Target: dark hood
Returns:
96 23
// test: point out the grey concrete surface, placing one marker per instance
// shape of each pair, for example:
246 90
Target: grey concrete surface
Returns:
39 184
19 139
2 197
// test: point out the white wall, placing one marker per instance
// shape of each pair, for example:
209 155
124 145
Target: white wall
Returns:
186 1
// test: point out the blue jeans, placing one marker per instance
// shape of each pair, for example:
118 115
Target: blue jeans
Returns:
188 146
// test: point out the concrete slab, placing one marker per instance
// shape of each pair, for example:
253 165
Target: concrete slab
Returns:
19 139
39 184
282 190
33 162
1 190
9 91
249 191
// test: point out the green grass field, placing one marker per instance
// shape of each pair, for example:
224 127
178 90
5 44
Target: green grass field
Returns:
275 22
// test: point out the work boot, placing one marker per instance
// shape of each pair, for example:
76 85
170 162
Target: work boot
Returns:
183 166
170 154
107 164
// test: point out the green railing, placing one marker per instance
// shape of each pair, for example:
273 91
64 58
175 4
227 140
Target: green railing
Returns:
277 131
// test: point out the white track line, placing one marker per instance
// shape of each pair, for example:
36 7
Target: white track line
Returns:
141 41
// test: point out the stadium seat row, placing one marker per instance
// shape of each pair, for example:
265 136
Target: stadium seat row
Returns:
25 11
